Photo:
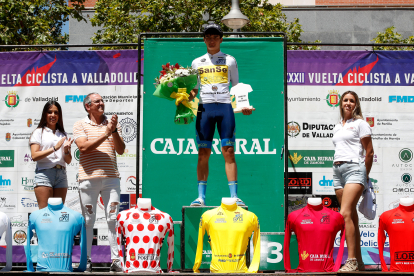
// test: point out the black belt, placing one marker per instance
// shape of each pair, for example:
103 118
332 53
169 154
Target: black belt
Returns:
342 162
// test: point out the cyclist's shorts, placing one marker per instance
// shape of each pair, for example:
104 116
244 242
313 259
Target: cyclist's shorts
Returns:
208 115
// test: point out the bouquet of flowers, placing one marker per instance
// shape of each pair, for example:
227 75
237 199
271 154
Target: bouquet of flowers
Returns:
175 83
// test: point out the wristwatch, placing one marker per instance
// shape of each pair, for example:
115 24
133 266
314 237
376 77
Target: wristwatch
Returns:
116 130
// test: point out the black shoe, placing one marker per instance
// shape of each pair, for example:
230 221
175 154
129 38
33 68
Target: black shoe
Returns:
115 266
88 266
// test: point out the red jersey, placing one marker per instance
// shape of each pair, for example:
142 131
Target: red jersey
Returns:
315 228
399 224
144 231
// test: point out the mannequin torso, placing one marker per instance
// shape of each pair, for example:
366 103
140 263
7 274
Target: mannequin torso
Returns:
54 200
315 201
407 201
228 200
144 203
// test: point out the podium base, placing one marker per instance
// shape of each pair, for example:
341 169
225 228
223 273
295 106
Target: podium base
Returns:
239 110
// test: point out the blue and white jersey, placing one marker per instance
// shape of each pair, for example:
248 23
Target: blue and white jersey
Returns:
216 72
56 226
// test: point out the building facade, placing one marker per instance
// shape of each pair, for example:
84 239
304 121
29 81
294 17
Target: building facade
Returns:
330 21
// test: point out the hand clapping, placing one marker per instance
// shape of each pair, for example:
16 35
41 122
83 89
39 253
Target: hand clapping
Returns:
112 123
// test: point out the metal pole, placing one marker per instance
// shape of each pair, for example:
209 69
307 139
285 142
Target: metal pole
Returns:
138 149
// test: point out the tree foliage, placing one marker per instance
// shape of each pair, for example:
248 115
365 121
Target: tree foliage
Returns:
391 36
32 22
123 20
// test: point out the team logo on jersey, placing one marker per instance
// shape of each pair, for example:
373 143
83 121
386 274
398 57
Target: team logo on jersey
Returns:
203 60
404 256
213 74
318 257
154 219
132 254
306 215
220 213
64 217
221 60
214 88
325 219
230 255
55 255
304 255
220 220
147 257
397 215
46 215
238 218
307 221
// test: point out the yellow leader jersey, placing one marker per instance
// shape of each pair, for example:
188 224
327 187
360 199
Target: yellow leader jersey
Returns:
229 228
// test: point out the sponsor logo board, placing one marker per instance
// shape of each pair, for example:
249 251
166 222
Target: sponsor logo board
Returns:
27 203
19 220
330 201
323 184
127 160
12 99
311 158
19 237
129 129
6 183
8 202
300 183
6 158
188 146
310 130
398 159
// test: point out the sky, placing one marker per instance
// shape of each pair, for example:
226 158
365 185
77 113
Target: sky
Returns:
65 28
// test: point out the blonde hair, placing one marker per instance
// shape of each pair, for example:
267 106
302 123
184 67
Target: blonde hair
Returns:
357 112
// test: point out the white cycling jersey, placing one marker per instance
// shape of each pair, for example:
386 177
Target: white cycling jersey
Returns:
215 74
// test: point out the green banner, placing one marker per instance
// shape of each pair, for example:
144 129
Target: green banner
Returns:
7 158
311 158
169 159
191 219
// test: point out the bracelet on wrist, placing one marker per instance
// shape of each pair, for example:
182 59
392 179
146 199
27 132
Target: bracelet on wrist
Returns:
116 130
54 148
